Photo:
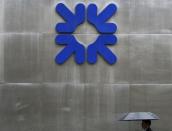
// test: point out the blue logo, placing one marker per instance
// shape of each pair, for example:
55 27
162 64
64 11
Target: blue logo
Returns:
99 21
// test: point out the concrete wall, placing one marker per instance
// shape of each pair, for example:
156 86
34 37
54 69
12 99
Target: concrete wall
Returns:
38 95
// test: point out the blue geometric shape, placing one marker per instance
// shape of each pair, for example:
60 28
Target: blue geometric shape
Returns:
99 20
72 20
98 47
72 47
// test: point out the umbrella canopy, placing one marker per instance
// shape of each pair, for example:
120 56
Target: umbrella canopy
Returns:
138 116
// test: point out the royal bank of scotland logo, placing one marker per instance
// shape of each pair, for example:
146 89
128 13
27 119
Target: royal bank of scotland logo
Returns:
66 38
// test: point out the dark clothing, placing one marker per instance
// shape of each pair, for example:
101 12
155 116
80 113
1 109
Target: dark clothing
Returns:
149 129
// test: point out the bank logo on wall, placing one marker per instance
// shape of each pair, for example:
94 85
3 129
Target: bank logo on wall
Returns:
66 38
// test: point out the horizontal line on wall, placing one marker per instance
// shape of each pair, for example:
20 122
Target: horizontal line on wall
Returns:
70 83
40 33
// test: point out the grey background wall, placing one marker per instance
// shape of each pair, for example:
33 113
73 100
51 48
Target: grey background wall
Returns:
38 95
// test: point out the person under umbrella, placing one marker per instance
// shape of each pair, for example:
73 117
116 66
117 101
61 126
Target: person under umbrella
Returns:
146 125
145 117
